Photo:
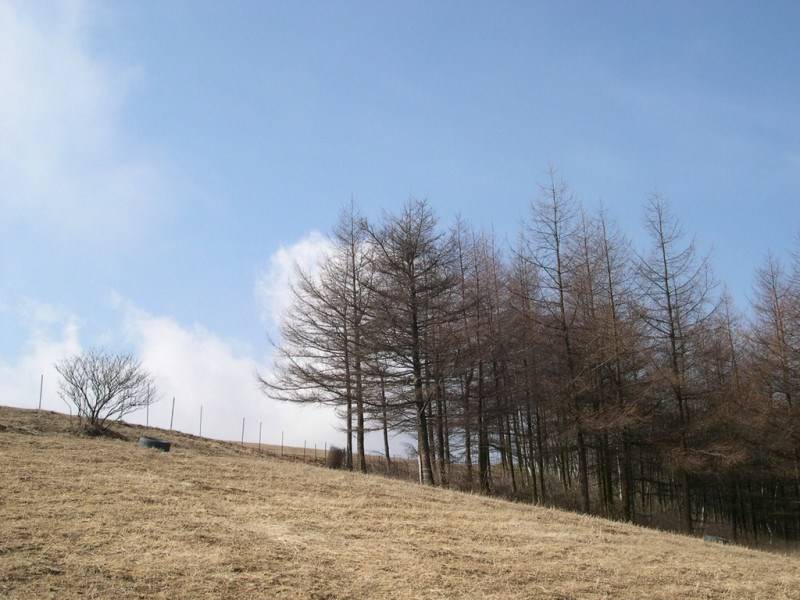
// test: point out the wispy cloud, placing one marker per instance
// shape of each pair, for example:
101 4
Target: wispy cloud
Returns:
64 159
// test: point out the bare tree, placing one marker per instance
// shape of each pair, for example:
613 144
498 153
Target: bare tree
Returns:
313 361
104 387
676 289
349 237
578 361
321 355
776 359
412 283
553 226
621 341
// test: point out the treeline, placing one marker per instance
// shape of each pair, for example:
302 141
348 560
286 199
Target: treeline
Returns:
568 369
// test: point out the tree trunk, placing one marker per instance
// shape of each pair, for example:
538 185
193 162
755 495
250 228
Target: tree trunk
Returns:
385 424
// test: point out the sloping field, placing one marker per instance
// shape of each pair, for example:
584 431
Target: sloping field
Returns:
101 518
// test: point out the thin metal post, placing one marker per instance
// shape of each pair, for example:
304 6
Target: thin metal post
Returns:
242 431
172 413
315 453
259 436
147 415
41 385
201 421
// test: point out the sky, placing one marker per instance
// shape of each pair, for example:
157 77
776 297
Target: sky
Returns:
164 165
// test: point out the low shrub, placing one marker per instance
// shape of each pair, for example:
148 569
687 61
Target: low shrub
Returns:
335 459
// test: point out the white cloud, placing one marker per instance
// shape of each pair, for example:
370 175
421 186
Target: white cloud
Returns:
52 335
63 157
273 285
190 363
199 368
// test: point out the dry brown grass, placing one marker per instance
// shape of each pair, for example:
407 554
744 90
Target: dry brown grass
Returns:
101 518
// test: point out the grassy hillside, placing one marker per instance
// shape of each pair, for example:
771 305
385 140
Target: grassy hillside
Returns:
101 518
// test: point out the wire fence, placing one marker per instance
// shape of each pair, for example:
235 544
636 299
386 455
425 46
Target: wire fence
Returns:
252 439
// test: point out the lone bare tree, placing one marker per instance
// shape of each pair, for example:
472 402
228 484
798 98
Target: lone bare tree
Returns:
104 387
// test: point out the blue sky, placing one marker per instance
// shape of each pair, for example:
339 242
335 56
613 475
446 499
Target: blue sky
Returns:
164 163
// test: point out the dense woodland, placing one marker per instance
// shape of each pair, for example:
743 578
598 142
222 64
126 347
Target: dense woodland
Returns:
568 368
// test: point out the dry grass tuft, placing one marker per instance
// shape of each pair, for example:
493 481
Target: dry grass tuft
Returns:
101 518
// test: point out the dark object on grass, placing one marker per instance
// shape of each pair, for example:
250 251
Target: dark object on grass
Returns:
715 539
151 442
335 458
